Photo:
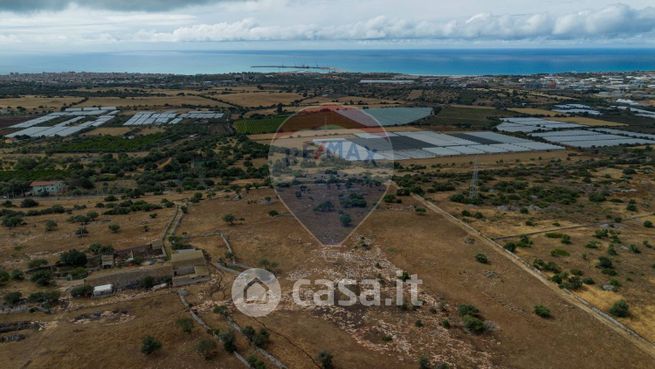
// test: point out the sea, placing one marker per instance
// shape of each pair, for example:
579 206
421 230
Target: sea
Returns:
441 62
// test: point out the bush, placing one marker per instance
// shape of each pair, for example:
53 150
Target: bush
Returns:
73 258
79 273
559 252
229 219
42 278
466 309
50 225
207 348
13 298
46 298
648 224
82 291
542 311
37 263
17 275
473 324
229 342
325 358
255 363
482 258
186 324
345 220
114 228
620 309
29 203
150 345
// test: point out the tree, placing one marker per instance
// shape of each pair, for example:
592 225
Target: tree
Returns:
207 348
73 258
229 219
42 277
114 228
620 309
50 225
542 311
12 221
150 345
345 220
229 342
648 224
186 324
325 358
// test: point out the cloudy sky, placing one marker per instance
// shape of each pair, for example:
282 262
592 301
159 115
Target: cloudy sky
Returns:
65 25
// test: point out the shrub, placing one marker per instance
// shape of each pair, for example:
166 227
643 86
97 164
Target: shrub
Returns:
466 309
28 203
186 324
229 219
16 275
46 298
473 324
482 258
345 220
510 246
42 277
229 342
542 311
37 263
114 228
150 345
273 213
255 363
648 224
82 291
325 359
559 252
13 298
50 225
73 258
207 348
620 309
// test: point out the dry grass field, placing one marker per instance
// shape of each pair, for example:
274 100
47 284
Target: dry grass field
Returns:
535 111
152 102
589 121
260 98
450 274
108 131
31 102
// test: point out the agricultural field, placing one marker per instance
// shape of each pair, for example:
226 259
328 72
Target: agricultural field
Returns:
591 122
152 102
458 117
259 98
535 111
38 103
260 125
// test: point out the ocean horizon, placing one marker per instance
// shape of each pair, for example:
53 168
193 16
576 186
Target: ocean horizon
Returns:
437 62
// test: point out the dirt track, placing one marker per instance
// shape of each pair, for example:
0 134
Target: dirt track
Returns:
575 300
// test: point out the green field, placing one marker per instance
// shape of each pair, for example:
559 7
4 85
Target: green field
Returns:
260 125
469 118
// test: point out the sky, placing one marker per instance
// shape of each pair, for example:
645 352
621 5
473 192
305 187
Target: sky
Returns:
117 25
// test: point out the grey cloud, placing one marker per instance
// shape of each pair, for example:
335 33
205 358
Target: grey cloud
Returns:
119 5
